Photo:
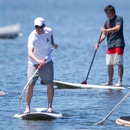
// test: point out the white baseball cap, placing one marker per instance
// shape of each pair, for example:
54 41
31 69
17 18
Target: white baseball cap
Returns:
39 21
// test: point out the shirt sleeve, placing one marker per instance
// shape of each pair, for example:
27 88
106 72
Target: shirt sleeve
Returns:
119 21
105 24
49 30
31 41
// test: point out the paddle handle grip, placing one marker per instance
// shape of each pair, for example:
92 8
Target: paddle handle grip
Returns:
44 60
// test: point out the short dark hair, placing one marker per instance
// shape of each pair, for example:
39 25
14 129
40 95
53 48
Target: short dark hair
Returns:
110 8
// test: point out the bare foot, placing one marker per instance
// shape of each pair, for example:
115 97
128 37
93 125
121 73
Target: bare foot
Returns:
49 110
118 84
107 83
26 111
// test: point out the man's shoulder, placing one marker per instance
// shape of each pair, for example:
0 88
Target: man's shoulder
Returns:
48 29
33 33
118 17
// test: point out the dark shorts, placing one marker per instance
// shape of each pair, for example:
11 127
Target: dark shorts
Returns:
46 73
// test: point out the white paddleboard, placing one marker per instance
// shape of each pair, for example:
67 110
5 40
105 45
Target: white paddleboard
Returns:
39 114
61 84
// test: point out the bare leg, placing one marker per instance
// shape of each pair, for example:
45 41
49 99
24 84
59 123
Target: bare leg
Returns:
110 74
29 94
50 94
120 73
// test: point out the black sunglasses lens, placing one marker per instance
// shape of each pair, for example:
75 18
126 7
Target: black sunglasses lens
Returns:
38 26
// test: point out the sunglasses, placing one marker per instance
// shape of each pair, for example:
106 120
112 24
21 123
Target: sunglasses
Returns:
39 26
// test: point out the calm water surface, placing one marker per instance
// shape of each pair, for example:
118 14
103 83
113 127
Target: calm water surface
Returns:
75 27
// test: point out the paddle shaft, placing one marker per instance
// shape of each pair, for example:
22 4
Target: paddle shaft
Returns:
117 106
101 122
41 64
90 65
92 59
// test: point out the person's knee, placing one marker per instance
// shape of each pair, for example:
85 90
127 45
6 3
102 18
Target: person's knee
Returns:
30 87
120 66
50 86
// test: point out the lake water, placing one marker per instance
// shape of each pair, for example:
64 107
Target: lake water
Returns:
75 25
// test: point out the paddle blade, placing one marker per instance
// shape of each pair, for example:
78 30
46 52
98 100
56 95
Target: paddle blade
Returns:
100 122
84 82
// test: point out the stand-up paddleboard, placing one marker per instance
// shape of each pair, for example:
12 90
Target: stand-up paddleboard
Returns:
67 85
39 114
124 121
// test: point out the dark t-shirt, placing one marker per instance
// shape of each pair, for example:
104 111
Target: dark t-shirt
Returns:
115 39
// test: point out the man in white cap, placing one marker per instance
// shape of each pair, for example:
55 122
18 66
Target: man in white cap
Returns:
39 45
